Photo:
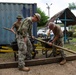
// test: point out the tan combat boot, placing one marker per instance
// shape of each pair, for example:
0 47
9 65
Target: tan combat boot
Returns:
25 69
63 62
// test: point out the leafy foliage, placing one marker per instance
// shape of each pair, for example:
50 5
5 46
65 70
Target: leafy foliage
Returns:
44 18
72 5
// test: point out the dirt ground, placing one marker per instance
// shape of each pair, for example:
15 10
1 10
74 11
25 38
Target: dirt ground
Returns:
50 69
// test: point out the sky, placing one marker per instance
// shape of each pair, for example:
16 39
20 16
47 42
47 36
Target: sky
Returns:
57 5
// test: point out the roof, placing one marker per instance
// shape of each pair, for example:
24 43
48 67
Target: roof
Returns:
69 18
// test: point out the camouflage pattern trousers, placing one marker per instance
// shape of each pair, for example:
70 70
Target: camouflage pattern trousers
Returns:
24 50
59 42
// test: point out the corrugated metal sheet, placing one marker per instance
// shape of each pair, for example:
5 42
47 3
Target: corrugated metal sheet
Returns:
66 13
8 14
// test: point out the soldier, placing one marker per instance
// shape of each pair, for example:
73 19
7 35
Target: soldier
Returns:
14 29
16 25
24 44
57 40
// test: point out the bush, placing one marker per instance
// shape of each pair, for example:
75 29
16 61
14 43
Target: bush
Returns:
74 34
70 34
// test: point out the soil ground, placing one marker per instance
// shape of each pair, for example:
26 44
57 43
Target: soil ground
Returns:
50 69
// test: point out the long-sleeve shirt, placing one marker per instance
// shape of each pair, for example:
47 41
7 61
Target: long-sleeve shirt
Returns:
26 27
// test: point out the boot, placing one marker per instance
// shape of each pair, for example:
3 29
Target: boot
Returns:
25 69
63 62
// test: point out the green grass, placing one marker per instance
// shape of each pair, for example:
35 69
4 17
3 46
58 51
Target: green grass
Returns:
73 40
71 45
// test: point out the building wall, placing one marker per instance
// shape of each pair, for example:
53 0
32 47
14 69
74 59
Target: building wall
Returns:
8 14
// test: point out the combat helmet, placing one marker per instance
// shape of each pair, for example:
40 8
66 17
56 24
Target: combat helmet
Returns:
38 16
19 16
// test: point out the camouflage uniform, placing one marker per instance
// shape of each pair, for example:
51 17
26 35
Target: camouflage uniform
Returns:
25 48
58 32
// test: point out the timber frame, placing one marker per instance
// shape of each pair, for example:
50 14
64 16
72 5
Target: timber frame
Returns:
35 62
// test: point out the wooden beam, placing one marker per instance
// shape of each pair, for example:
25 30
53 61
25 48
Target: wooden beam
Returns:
71 51
35 62
7 29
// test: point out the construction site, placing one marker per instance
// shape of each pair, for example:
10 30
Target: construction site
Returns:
42 62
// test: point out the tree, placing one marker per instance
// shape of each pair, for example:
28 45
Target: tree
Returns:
44 18
72 5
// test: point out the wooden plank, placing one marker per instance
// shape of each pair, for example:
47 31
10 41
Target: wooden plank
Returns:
71 51
35 62
7 29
